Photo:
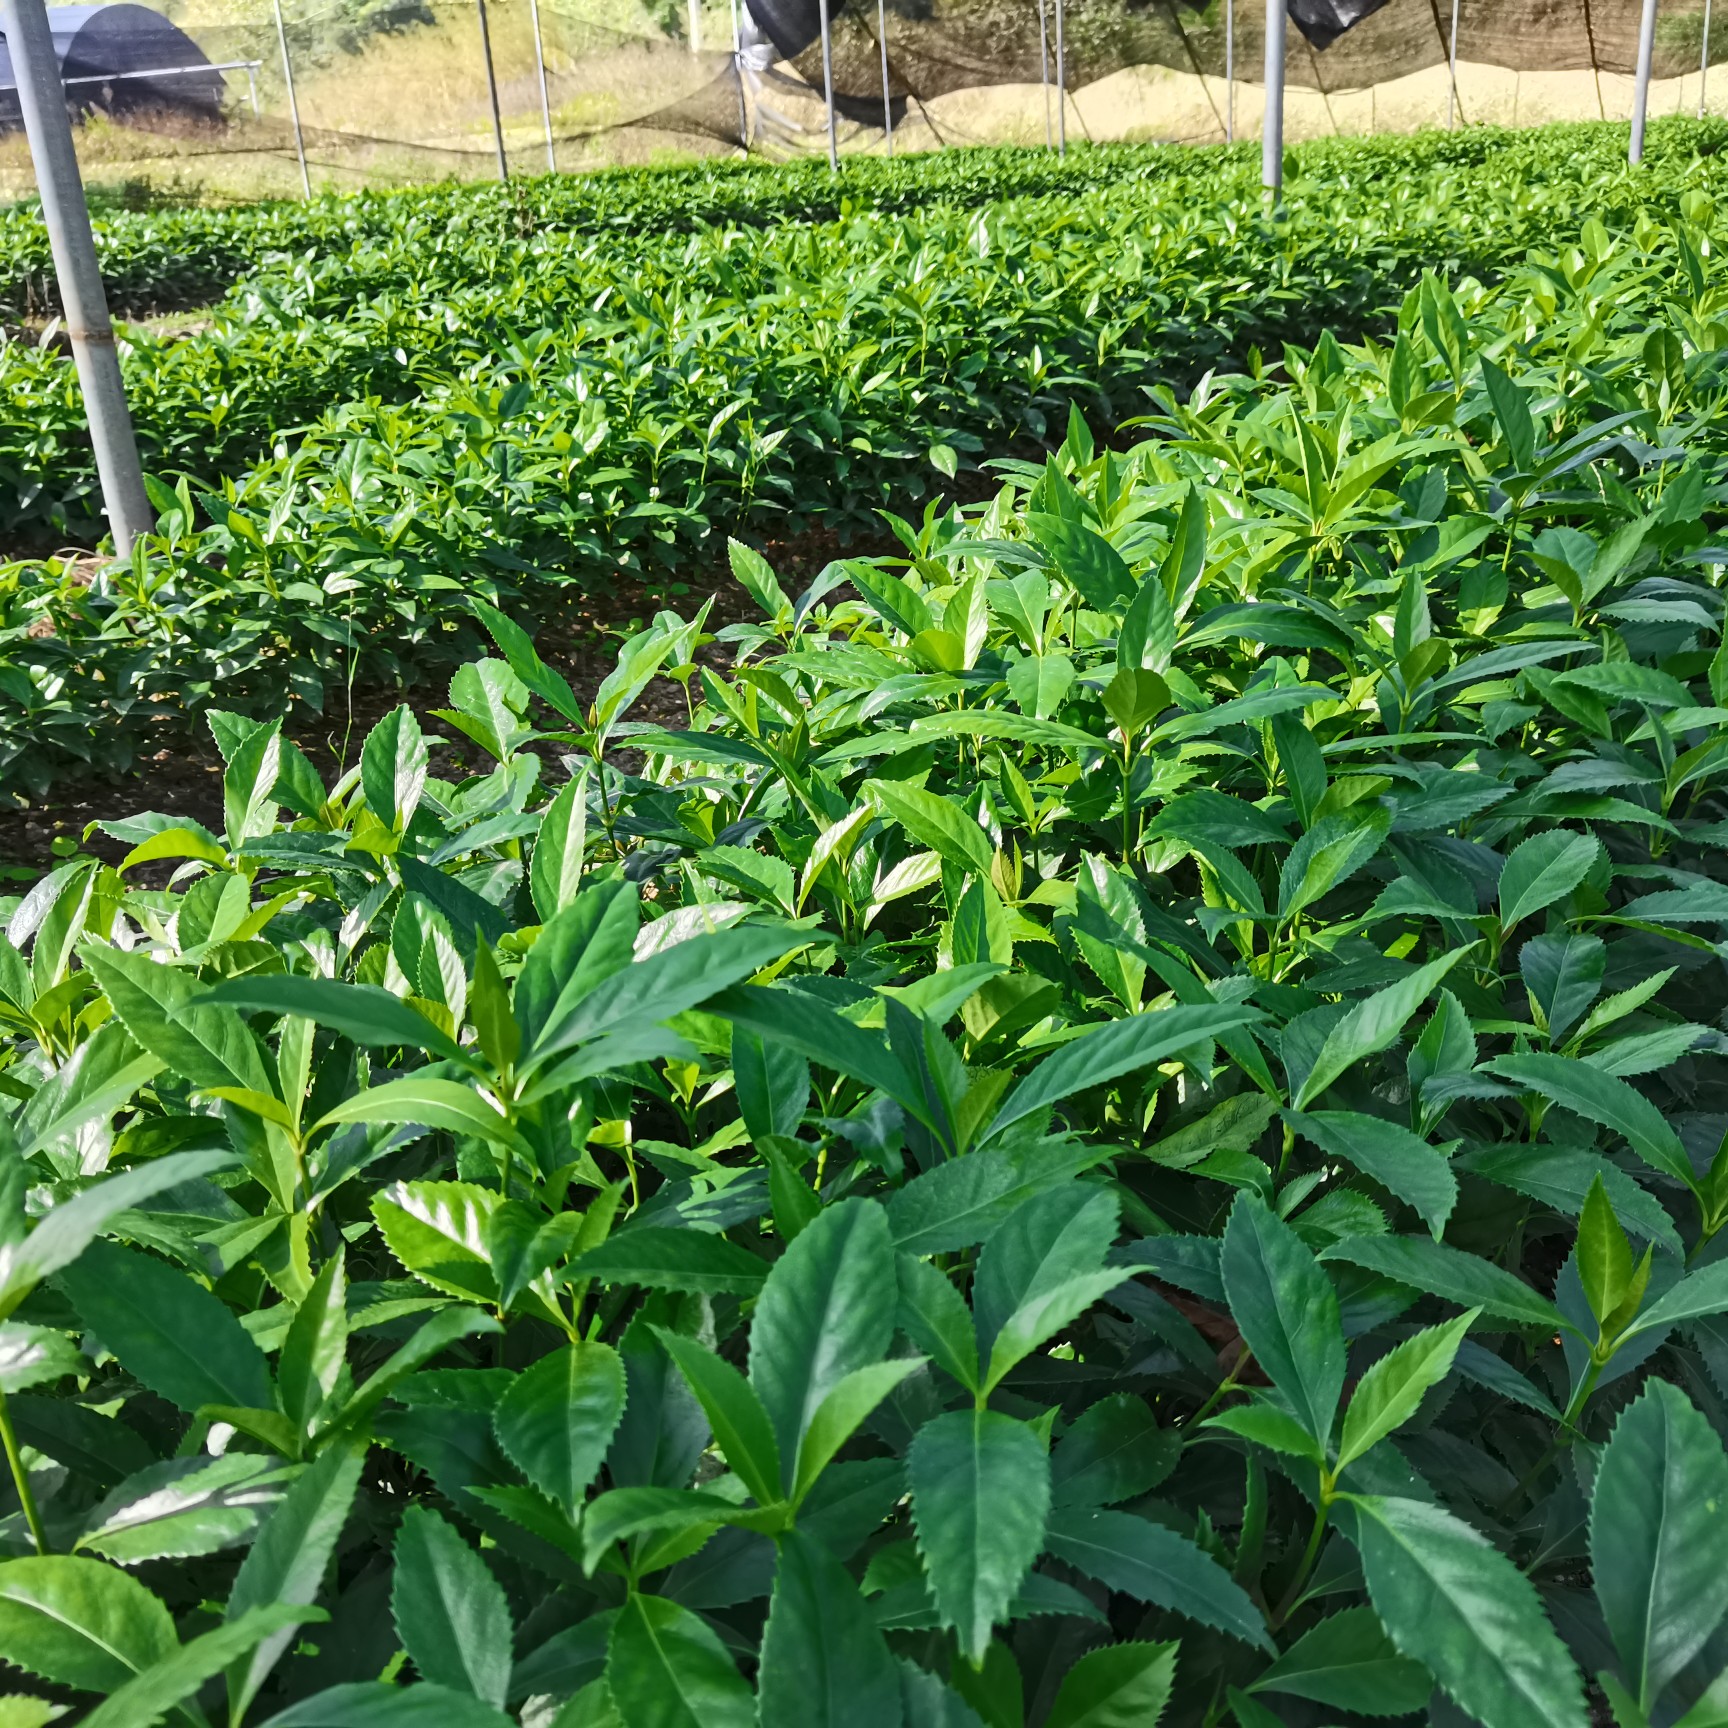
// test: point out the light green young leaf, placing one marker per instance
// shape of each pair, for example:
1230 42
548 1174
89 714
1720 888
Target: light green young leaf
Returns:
80 1623
1120 1686
1386 1397
555 866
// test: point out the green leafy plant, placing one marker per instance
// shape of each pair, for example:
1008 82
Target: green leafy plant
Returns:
1123 1126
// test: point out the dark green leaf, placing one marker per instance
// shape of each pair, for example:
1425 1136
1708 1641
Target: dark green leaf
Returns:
171 1333
557 1420
1348 1663
666 1669
1287 1311
1657 1519
824 1664
980 1491
1456 1605
1155 1565
449 1610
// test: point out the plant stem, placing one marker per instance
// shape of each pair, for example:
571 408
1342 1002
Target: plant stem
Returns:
21 1478
1310 1554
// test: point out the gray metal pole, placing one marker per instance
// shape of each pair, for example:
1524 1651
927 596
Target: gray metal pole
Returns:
1229 71
545 98
1272 133
1452 71
1061 87
1641 88
828 91
1704 61
42 98
492 92
1044 65
887 94
293 104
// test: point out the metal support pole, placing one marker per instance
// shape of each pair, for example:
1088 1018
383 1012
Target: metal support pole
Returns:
1452 71
1229 71
492 92
545 96
252 90
47 126
1272 134
1061 87
1704 60
828 91
738 73
695 10
1044 72
293 105
1641 88
66 216
887 94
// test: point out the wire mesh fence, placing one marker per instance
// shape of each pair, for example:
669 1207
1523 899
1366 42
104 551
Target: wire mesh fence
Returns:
255 97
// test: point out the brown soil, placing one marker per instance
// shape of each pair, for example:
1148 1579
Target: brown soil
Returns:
184 776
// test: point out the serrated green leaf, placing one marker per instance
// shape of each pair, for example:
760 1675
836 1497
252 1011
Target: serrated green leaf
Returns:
824 1663
1122 1686
1657 1516
666 1669
980 1492
449 1610
1386 1396
1287 1311
557 1419
1155 1565
1348 1663
1456 1605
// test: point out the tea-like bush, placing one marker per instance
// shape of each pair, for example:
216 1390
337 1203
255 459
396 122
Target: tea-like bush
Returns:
363 438
1124 1125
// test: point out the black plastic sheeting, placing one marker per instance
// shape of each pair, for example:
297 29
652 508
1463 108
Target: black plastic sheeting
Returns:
793 25
1324 21
152 63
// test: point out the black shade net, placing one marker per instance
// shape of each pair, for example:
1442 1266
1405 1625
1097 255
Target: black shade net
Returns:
395 90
